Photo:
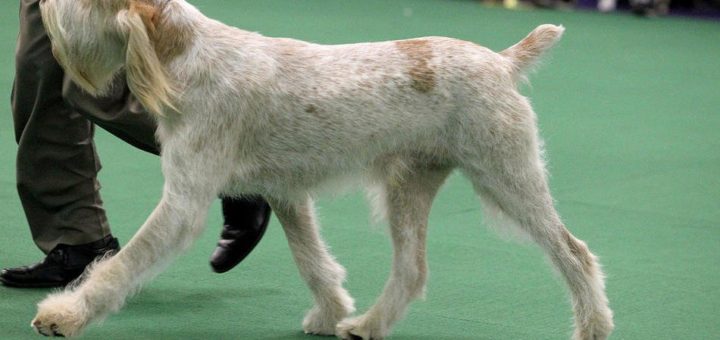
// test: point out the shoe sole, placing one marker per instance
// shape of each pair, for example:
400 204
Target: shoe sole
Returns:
14 284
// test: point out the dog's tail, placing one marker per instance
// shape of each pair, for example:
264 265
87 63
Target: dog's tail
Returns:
525 54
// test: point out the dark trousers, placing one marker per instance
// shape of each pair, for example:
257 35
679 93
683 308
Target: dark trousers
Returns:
57 164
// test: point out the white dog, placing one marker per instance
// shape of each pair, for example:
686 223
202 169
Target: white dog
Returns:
240 113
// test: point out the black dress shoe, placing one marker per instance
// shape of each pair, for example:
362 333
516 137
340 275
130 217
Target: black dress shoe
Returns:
245 224
61 266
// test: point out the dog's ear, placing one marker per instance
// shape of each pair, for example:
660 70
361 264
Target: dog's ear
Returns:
147 12
146 76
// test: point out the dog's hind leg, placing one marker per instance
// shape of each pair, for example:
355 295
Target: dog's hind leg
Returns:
174 224
408 200
317 267
508 173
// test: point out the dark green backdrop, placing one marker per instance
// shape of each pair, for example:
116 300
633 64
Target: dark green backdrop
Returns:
629 109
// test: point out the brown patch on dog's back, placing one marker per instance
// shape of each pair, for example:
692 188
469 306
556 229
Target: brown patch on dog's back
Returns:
419 52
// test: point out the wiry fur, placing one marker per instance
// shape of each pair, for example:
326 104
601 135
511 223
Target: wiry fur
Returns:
240 113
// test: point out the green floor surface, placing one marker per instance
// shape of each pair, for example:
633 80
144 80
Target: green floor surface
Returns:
629 109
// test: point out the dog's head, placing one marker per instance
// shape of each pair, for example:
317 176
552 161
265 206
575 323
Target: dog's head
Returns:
94 39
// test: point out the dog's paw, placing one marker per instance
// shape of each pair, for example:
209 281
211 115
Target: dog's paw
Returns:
322 321
60 315
360 328
319 322
597 327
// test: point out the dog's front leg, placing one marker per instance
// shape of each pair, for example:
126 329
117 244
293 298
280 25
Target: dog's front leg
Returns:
317 267
176 221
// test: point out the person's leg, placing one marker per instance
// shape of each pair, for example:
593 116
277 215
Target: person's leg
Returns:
56 166
56 161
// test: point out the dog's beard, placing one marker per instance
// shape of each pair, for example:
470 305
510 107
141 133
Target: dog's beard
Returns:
81 79
85 71
80 75
76 54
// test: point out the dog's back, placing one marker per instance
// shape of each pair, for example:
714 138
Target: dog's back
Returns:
330 111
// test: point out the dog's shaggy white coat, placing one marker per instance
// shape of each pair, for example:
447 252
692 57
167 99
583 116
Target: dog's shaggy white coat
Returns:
240 113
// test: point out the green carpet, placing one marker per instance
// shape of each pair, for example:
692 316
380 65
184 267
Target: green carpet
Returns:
629 109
